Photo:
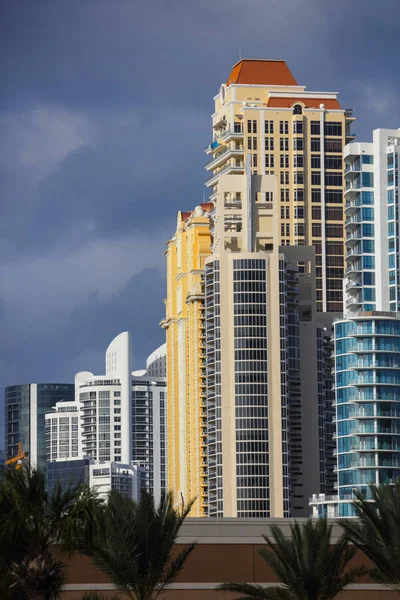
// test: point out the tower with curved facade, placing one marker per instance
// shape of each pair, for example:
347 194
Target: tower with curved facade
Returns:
367 338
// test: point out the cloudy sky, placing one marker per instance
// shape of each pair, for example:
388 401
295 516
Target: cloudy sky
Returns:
104 114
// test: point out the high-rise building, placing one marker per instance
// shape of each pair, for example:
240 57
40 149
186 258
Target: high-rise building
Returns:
119 417
25 409
264 357
63 432
149 412
367 338
298 135
102 477
156 364
185 338
105 405
373 261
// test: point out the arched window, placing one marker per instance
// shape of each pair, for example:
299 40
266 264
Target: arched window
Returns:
297 109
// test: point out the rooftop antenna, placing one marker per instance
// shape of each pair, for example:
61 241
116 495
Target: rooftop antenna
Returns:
240 51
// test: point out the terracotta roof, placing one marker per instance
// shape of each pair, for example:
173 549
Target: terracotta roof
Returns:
308 102
261 72
207 206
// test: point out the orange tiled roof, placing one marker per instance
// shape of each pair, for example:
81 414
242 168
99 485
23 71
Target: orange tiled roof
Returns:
308 102
261 72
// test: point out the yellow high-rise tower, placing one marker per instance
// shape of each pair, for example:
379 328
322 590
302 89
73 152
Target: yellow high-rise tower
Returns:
186 359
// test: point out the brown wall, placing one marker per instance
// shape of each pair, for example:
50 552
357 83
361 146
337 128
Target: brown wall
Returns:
211 564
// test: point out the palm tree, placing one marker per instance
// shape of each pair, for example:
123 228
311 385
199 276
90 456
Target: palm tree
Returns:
32 522
308 565
377 532
135 547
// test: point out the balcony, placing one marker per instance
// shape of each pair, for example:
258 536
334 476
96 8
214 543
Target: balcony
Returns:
352 186
353 269
352 304
222 157
229 168
353 286
352 169
352 221
353 238
353 253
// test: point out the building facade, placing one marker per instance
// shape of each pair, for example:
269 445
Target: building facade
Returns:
63 432
185 339
297 135
156 364
371 172
149 412
264 357
25 409
119 417
102 477
366 339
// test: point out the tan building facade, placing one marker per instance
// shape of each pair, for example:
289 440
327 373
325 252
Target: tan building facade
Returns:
186 371
298 135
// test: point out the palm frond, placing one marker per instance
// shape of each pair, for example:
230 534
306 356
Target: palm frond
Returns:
253 591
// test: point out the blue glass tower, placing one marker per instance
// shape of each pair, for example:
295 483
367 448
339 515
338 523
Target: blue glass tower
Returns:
367 385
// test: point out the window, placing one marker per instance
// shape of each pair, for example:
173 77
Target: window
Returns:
315 161
299 212
284 195
315 144
298 144
298 160
315 178
269 160
367 214
299 229
299 195
316 213
368 230
269 127
334 179
284 161
315 128
333 213
251 126
298 177
269 143
284 127
284 144
333 146
284 178
367 159
369 278
316 230
333 196
254 160
334 231
297 109
333 128
367 197
252 143
390 162
333 162
315 195
367 179
298 127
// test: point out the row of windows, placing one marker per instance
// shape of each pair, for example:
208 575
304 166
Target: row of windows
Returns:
330 128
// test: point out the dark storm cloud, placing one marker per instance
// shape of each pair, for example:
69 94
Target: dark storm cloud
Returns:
104 114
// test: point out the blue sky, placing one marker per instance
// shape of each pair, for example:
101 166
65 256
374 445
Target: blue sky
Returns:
104 114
